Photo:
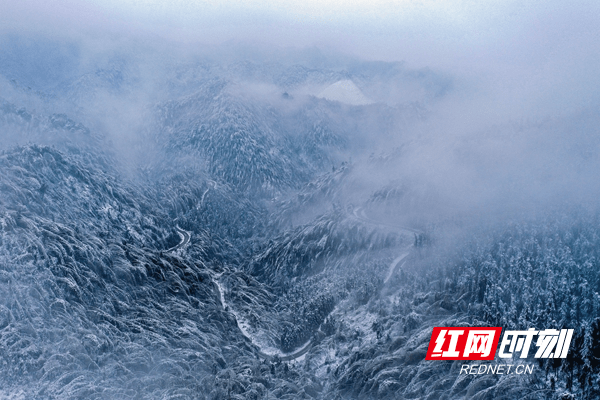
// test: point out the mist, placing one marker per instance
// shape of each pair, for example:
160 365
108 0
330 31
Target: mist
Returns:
511 116
266 199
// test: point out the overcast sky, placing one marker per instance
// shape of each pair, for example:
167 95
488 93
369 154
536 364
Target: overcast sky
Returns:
422 32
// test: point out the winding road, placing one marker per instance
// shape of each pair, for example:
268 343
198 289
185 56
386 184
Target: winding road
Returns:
279 356
185 239
394 264
358 214
292 356
361 216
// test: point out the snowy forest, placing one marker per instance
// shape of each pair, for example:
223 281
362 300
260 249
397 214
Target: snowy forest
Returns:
281 221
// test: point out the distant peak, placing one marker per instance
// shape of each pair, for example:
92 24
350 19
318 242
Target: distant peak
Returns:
345 91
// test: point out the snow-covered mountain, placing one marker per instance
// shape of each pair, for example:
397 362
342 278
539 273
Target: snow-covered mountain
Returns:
345 91
260 241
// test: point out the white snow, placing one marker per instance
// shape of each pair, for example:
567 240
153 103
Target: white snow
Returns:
345 91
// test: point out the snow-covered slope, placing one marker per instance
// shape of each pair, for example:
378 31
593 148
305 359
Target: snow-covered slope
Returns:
345 91
246 256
